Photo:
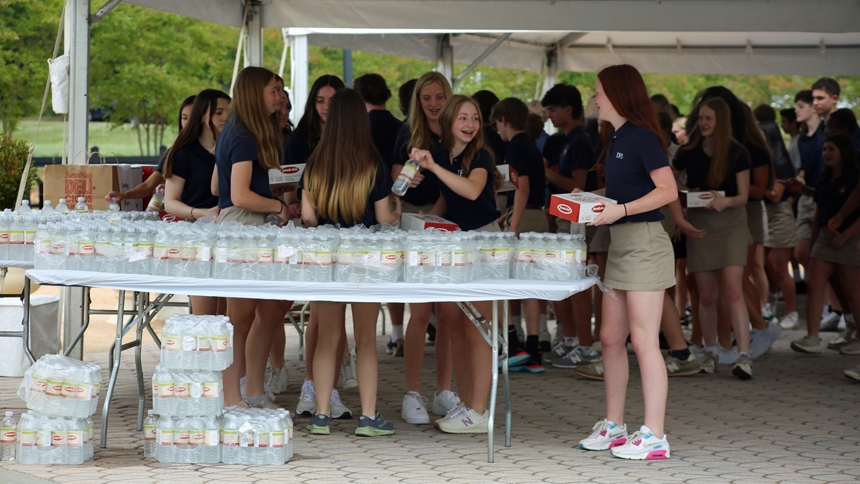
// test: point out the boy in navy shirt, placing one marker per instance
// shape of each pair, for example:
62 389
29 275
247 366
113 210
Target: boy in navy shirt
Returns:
383 125
510 116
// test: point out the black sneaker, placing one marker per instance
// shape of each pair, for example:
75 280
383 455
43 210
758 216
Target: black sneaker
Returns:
390 347
368 427
319 424
431 333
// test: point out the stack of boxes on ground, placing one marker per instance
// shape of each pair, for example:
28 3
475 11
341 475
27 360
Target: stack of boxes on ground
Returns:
188 397
62 395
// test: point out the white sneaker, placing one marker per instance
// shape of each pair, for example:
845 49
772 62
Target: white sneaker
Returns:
338 409
267 390
762 340
415 409
466 421
643 445
277 381
831 322
445 402
727 356
348 372
789 321
604 436
307 400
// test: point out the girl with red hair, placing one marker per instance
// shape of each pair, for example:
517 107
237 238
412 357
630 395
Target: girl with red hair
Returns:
640 264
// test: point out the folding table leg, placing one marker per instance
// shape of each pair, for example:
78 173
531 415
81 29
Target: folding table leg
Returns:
505 380
138 364
494 386
117 353
26 322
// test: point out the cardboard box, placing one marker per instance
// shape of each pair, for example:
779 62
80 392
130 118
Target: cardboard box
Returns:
509 175
700 199
581 207
289 175
415 222
130 176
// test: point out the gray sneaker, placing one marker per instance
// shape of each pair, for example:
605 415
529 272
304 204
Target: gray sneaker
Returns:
851 349
830 323
576 357
710 362
762 340
845 337
373 427
808 344
559 351
593 371
743 368
676 367
853 373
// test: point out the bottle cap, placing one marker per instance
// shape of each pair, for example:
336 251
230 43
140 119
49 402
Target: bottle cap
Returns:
9 413
149 412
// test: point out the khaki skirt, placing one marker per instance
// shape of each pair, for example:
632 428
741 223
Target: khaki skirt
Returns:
755 220
640 258
490 227
597 239
848 255
236 214
805 216
725 243
534 220
781 232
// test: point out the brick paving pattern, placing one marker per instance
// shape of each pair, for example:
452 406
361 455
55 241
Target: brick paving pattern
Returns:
796 421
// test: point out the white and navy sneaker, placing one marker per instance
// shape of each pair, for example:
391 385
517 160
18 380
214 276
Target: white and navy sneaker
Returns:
643 445
604 436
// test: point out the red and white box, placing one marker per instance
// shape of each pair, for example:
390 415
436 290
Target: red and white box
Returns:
289 175
415 222
700 199
510 176
580 207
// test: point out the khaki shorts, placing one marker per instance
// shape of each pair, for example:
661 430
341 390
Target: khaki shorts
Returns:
534 220
805 216
562 226
781 232
848 255
597 239
725 243
490 227
640 258
236 214
756 221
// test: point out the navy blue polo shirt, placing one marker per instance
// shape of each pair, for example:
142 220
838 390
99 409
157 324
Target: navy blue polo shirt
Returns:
811 160
831 197
494 142
634 152
297 150
428 190
552 148
383 129
524 157
195 165
577 153
381 189
236 144
468 214
697 163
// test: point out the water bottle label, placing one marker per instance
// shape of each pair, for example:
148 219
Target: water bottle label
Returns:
58 439
197 439
70 391
212 439
54 388
409 171
323 257
38 384
181 438
278 440
46 247
149 433
189 343
487 254
173 254
371 258
204 344
29 438
8 435
581 256
264 256
159 252
446 258
412 259
165 389
390 258
196 390
460 259
429 258
29 237
344 257
286 253
553 257
86 249
170 343
210 389
4 237
261 440
16 237
229 438
524 255
164 436
235 256
181 391
251 256
220 255
538 256
220 344
502 255
75 438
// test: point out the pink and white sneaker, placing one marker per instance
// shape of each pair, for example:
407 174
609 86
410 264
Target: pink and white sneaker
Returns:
605 435
643 445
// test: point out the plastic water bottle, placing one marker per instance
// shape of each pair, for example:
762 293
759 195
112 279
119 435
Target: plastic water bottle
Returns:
5 222
212 443
8 436
24 209
149 434
47 209
164 435
62 208
522 269
30 228
404 179
113 215
156 203
81 206
75 453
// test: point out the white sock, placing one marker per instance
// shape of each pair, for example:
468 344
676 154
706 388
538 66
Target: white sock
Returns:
743 353
543 323
396 332
517 321
711 349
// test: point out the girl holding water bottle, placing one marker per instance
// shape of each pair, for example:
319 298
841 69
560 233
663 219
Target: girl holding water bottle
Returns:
247 147
345 182
467 177
188 169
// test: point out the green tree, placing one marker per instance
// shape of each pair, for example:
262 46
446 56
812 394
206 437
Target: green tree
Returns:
13 158
28 30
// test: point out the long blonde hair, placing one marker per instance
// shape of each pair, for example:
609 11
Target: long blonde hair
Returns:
341 171
725 146
447 116
249 110
419 128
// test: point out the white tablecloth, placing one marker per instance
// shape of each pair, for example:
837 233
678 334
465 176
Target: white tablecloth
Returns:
18 264
484 290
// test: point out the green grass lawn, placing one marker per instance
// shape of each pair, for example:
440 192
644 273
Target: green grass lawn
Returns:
120 140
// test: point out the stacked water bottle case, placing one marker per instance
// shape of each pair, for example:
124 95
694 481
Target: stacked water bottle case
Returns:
62 394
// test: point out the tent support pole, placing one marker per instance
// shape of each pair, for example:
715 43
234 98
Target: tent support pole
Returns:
445 58
254 39
481 58
298 75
